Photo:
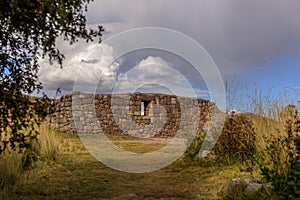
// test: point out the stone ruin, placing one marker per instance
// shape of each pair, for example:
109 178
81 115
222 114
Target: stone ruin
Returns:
112 111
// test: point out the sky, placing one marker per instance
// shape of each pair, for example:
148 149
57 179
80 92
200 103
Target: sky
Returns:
253 42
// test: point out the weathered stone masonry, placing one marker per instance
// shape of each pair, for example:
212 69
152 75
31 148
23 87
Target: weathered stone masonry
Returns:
128 113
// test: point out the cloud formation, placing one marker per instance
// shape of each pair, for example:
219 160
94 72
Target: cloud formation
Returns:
155 75
94 68
85 64
235 33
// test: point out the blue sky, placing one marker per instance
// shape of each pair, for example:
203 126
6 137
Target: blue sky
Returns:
281 74
256 42
283 71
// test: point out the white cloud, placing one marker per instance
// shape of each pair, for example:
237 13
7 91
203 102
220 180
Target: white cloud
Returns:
153 68
94 65
155 75
86 62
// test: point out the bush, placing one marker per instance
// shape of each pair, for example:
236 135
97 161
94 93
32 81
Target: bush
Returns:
237 141
193 151
283 170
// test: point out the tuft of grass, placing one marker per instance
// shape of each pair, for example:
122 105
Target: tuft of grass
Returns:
49 144
11 169
13 163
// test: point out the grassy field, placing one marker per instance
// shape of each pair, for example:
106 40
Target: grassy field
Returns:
66 170
74 174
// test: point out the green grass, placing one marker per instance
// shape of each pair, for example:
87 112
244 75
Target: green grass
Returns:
75 174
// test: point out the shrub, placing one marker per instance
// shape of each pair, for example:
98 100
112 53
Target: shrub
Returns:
283 170
193 151
237 141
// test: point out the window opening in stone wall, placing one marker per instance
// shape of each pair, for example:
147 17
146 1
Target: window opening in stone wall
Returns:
145 108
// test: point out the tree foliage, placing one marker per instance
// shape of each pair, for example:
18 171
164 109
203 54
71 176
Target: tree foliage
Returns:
28 32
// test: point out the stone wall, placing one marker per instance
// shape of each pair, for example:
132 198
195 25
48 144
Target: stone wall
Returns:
144 114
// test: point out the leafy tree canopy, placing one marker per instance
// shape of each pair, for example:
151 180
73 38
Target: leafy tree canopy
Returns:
28 32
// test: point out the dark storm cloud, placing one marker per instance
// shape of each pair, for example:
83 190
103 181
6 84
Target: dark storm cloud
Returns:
235 32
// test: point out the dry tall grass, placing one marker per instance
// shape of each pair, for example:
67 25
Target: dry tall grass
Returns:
267 108
13 164
49 143
269 116
11 169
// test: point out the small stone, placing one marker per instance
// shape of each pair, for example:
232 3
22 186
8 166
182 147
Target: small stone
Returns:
204 153
253 188
234 182
267 188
